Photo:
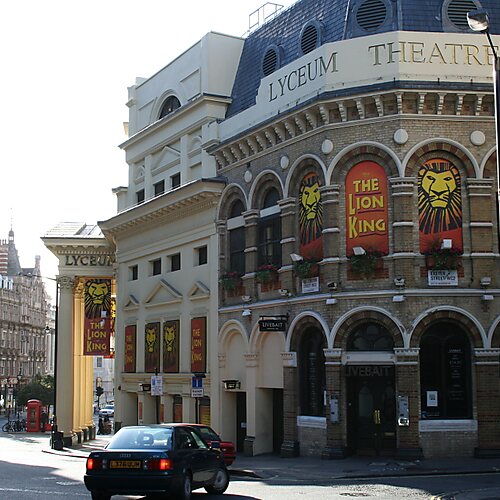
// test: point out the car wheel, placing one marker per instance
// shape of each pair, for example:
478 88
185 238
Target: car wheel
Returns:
220 484
98 495
183 491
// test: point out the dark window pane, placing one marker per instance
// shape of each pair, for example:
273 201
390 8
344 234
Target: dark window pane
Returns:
236 209
170 105
156 267
134 272
176 180
202 255
175 262
139 196
237 250
445 367
312 373
159 188
269 246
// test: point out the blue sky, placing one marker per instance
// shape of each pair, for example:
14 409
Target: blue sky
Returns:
66 66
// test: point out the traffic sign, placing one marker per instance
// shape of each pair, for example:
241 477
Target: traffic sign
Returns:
197 383
156 385
197 392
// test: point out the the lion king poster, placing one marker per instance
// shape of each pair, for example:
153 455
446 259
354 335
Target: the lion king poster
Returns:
439 204
311 218
171 346
151 347
98 321
367 208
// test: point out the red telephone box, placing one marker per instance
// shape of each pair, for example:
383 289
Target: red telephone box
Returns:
34 413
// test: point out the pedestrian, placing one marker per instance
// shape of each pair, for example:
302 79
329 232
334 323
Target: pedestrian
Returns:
100 426
43 420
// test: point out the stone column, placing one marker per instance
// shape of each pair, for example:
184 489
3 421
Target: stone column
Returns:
251 218
79 382
251 444
335 428
288 241
290 446
330 199
407 384
486 365
403 194
482 214
64 360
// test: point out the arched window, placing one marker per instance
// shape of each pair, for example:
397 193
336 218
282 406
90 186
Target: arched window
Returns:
171 104
237 242
269 244
312 373
445 373
370 337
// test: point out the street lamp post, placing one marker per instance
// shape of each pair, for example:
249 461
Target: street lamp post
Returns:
479 21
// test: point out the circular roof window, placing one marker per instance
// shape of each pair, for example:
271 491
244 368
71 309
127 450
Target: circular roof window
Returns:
271 60
310 37
457 12
371 14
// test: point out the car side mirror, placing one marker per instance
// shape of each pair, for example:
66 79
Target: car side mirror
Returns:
215 445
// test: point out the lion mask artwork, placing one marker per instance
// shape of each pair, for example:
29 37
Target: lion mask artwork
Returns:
151 332
97 298
439 197
310 216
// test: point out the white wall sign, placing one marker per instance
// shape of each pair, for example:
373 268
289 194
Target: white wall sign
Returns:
442 277
310 285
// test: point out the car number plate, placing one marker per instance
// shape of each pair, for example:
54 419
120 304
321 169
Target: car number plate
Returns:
124 464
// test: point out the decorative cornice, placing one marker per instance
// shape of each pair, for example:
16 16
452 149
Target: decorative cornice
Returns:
338 112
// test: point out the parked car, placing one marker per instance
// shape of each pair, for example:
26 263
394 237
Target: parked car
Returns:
210 436
156 459
107 411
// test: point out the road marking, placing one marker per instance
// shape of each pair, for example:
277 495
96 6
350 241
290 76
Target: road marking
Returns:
41 492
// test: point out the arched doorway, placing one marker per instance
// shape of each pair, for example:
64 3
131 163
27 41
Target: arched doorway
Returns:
371 394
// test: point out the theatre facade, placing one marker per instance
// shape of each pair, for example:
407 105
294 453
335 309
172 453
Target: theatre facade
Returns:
358 230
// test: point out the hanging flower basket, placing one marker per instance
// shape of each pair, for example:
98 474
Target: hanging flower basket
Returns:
442 258
230 280
365 265
266 273
306 269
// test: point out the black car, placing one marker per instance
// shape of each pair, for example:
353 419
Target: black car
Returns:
148 459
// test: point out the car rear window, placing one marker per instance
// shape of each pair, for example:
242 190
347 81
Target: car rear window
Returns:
141 439
208 433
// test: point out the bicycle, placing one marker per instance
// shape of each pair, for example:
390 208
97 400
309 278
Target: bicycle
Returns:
14 426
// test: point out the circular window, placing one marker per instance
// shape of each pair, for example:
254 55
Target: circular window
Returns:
310 37
457 12
371 14
271 60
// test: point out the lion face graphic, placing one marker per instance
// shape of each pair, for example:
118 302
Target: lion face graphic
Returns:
169 337
439 198
311 209
150 339
97 298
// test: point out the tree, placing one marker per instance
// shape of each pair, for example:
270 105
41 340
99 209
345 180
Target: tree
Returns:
41 388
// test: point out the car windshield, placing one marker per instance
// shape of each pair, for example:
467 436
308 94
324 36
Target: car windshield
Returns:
141 438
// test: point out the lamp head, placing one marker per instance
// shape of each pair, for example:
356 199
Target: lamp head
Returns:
478 20
246 313
359 251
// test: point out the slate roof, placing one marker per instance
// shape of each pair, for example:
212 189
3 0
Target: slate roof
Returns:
337 24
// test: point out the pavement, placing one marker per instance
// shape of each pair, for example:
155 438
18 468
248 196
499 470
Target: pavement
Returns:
311 469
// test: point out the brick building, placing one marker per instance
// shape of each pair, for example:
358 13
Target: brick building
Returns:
359 250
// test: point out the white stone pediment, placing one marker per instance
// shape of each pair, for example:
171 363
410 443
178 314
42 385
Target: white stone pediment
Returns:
131 303
163 293
199 291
